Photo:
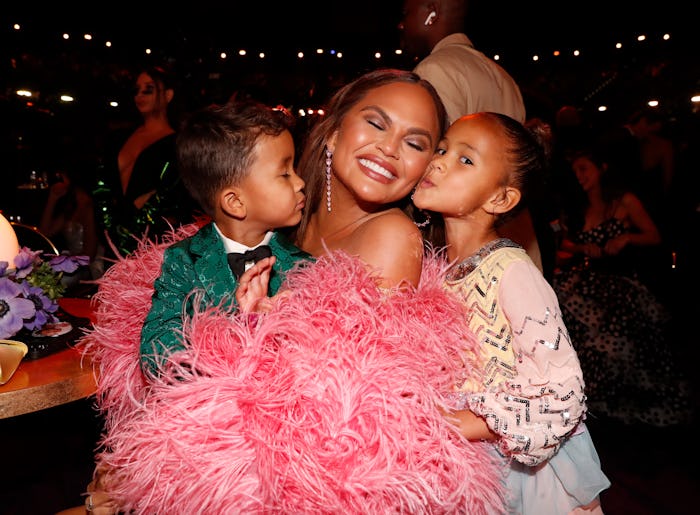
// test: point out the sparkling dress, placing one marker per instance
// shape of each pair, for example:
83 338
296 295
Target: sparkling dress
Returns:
531 394
620 332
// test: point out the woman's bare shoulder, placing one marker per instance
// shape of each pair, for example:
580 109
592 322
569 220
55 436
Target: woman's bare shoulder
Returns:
392 225
393 244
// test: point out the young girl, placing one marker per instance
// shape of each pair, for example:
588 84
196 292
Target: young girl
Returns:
531 402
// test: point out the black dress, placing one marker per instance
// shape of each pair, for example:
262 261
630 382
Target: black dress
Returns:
154 169
620 331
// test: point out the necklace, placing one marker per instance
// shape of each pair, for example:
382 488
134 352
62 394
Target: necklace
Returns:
467 266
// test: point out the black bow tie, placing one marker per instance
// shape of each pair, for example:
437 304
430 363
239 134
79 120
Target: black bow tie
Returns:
238 260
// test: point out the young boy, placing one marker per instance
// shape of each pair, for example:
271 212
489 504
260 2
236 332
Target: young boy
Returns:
237 161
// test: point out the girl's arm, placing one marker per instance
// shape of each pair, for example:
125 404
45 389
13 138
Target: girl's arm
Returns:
535 410
469 425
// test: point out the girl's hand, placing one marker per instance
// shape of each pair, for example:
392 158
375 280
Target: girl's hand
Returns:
251 294
469 425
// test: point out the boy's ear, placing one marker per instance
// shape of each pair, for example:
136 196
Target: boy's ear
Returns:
231 203
503 201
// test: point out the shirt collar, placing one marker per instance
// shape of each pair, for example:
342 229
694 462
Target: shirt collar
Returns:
453 39
233 246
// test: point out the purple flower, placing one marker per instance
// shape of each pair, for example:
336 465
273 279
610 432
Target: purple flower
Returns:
3 267
13 308
24 261
68 264
44 307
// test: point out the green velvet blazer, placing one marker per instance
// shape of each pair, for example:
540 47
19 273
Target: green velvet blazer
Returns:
198 264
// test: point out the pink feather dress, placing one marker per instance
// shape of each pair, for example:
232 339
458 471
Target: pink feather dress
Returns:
326 405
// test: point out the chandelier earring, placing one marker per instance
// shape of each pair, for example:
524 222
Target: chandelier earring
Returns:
329 157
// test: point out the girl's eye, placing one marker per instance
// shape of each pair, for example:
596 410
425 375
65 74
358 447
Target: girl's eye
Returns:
440 151
465 160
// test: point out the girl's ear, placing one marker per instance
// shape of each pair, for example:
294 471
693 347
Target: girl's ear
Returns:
169 93
503 201
231 203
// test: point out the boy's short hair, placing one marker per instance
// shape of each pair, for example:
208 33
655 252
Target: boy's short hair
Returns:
215 145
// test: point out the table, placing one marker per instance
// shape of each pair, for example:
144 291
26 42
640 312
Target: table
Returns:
58 378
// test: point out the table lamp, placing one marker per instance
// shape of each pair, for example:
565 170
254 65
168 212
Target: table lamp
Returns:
9 246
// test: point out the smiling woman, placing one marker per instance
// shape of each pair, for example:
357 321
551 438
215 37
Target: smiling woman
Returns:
360 163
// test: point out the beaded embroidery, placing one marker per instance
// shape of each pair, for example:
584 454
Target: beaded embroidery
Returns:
467 266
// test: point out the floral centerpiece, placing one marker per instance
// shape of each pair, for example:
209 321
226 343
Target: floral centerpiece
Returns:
29 292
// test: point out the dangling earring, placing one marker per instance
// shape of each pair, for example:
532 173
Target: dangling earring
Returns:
329 156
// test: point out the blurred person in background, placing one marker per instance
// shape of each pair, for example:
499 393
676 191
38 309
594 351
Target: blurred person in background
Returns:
619 327
68 219
139 190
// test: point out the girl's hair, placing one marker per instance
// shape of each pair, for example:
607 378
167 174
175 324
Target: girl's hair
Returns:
528 152
311 165
216 145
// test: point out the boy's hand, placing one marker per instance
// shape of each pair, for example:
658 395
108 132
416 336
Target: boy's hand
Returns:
98 501
251 294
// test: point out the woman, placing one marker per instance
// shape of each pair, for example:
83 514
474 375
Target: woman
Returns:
140 188
360 163
618 326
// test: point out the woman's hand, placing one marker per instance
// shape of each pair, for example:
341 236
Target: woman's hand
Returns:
615 245
58 189
591 250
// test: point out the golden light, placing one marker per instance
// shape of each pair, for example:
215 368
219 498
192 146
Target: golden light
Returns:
9 246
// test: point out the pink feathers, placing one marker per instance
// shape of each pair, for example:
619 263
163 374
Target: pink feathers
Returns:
325 405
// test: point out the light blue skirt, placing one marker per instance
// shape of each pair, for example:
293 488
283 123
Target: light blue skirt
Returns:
571 478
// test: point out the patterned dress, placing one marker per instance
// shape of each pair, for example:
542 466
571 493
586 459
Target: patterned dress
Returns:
620 331
532 392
